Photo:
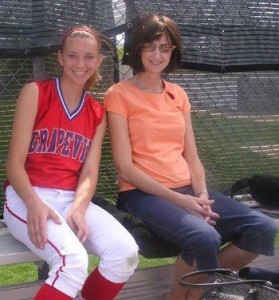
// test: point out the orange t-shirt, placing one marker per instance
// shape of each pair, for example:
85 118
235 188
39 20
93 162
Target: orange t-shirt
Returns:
156 130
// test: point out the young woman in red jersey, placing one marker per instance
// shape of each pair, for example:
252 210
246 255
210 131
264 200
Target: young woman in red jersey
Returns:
161 177
52 171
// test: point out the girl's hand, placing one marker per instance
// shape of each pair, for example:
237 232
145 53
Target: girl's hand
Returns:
76 220
37 216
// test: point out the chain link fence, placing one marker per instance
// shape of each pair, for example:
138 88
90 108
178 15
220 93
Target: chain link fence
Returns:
234 93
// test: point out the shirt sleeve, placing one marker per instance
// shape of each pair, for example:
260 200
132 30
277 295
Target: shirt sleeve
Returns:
115 100
186 105
99 110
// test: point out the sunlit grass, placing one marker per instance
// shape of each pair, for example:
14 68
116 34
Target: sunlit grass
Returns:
27 272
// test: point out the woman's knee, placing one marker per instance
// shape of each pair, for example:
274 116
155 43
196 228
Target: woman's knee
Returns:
265 226
203 248
258 236
204 237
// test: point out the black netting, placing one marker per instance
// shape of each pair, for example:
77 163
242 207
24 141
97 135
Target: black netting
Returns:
31 27
13 75
229 70
236 121
223 36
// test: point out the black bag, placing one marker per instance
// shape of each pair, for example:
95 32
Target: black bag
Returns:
263 188
259 273
225 284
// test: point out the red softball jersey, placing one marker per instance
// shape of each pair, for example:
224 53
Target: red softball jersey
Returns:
60 139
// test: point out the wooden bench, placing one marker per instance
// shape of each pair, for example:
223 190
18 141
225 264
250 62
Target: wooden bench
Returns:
14 252
151 283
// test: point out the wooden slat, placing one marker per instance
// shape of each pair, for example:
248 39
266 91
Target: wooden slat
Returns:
267 262
20 292
13 251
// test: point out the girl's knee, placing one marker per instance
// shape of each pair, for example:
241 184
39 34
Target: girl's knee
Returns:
129 256
120 263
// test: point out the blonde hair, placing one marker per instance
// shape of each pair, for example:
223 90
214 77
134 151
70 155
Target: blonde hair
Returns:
84 31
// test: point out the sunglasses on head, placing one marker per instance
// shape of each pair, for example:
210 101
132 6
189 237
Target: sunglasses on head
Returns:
163 48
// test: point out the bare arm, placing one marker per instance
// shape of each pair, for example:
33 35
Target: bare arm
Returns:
25 114
191 156
121 149
87 184
37 212
198 178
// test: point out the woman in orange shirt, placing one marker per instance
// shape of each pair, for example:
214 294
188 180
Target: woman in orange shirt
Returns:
161 178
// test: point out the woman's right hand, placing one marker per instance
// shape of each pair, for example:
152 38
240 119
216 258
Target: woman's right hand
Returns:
197 206
37 215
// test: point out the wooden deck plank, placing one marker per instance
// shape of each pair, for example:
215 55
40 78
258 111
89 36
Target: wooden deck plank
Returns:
150 283
267 262
154 285
145 284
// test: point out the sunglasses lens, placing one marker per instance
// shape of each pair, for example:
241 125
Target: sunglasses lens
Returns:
149 47
164 48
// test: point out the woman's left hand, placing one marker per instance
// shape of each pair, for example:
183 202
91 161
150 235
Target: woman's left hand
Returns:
76 220
207 219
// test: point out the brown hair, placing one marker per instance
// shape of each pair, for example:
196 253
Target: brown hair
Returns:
84 31
151 28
